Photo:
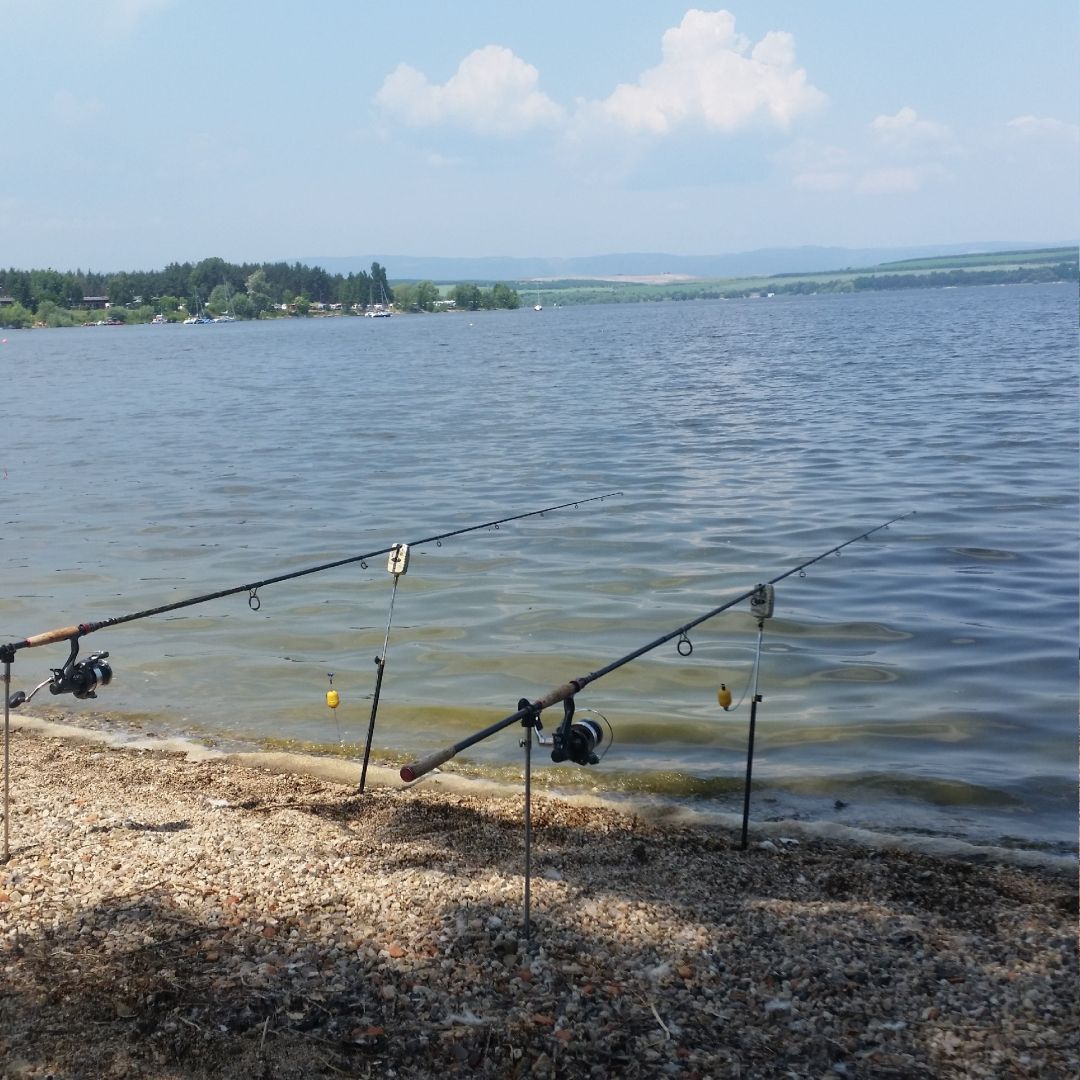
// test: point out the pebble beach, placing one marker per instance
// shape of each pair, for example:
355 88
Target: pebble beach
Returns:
175 915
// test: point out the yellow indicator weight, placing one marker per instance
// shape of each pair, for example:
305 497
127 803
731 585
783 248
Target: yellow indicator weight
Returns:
723 696
333 700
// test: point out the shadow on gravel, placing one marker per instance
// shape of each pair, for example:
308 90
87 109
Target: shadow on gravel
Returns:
653 953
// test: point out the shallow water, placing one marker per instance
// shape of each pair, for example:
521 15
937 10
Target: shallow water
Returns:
925 678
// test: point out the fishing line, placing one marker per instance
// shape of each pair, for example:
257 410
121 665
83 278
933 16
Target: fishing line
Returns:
723 695
579 750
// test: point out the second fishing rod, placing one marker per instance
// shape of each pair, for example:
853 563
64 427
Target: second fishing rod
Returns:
576 741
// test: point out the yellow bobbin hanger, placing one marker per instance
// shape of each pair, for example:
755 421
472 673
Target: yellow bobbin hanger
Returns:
723 696
333 698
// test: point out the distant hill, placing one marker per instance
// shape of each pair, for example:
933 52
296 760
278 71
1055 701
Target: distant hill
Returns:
760 262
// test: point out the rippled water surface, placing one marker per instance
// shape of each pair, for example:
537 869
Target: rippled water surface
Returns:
923 680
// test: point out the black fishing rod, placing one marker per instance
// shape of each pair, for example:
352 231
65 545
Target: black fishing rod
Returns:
69 633
82 678
576 742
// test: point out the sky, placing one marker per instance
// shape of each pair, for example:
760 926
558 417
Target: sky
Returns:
134 133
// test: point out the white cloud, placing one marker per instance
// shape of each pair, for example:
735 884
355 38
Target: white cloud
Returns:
866 170
906 133
1045 127
709 75
817 167
492 92
902 156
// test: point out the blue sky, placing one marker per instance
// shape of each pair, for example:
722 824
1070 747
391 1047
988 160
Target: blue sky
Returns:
138 132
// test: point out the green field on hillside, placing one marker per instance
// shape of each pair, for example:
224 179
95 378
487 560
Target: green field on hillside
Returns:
1043 257
994 268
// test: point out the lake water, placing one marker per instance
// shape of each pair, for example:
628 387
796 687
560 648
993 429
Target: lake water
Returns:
923 681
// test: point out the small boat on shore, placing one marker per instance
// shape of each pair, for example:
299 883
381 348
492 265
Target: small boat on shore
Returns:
381 309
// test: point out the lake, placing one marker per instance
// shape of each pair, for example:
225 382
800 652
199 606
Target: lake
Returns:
924 681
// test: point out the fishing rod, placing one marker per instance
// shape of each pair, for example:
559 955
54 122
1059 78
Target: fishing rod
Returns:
79 682
577 741
82 678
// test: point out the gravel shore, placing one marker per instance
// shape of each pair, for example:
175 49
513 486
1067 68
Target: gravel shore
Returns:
168 917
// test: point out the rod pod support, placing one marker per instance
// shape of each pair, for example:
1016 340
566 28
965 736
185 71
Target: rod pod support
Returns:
530 721
5 656
397 564
761 605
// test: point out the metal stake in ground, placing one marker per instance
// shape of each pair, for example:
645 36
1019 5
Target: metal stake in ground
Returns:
397 564
530 721
7 757
5 656
761 605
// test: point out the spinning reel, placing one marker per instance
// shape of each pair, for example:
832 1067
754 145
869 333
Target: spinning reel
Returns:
573 740
576 740
80 678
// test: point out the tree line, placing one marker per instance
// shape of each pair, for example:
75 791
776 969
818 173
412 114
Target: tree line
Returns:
427 296
246 290
940 279
217 287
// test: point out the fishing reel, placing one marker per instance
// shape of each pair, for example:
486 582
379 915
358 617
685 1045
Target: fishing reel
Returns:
79 678
576 740
82 679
